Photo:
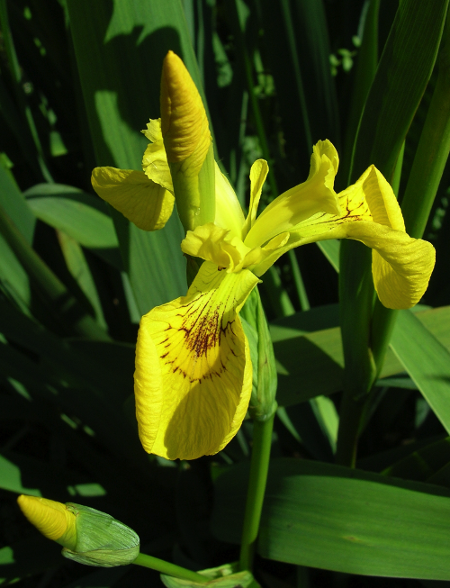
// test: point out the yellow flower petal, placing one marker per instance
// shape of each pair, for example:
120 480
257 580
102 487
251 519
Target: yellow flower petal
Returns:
193 376
51 518
373 187
258 175
228 214
320 226
321 149
301 202
401 266
215 244
184 123
153 131
270 253
154 162
140 200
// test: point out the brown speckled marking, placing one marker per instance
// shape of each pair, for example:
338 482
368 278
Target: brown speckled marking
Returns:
203 330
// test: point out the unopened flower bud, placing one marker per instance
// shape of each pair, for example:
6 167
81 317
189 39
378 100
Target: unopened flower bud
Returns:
184 123
89 536
188 144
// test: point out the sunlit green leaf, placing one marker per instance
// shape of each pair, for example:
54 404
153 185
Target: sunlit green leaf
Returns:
335 518
426 360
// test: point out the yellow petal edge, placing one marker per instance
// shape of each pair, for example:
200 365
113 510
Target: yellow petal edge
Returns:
193 375
143 202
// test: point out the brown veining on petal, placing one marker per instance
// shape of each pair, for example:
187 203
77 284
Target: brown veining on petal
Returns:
201 333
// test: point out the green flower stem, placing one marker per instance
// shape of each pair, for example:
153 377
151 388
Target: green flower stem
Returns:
170 569
383 319
356 294
365 336
259 467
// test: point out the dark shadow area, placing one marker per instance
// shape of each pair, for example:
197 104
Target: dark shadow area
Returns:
305 371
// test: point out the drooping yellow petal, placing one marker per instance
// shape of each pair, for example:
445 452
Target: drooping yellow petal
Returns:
51 518
154 162
373 187
215 244
140 200
228 213
184 123
401 266
193 376
320 226
258 175
301 202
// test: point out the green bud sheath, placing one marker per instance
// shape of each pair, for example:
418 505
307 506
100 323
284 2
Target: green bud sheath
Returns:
101 539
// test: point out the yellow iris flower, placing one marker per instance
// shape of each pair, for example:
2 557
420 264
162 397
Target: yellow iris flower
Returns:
193 376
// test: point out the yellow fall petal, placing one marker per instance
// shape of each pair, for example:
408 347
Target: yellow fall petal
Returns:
154 161
301 202
184 123
193 376
51 518
383 205
142 201
401 266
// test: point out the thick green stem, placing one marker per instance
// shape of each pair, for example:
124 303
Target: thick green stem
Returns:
356 295
259 467
170 569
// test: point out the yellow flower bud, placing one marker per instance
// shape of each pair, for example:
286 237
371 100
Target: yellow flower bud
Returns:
90 537
188 144
184 123
51 518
